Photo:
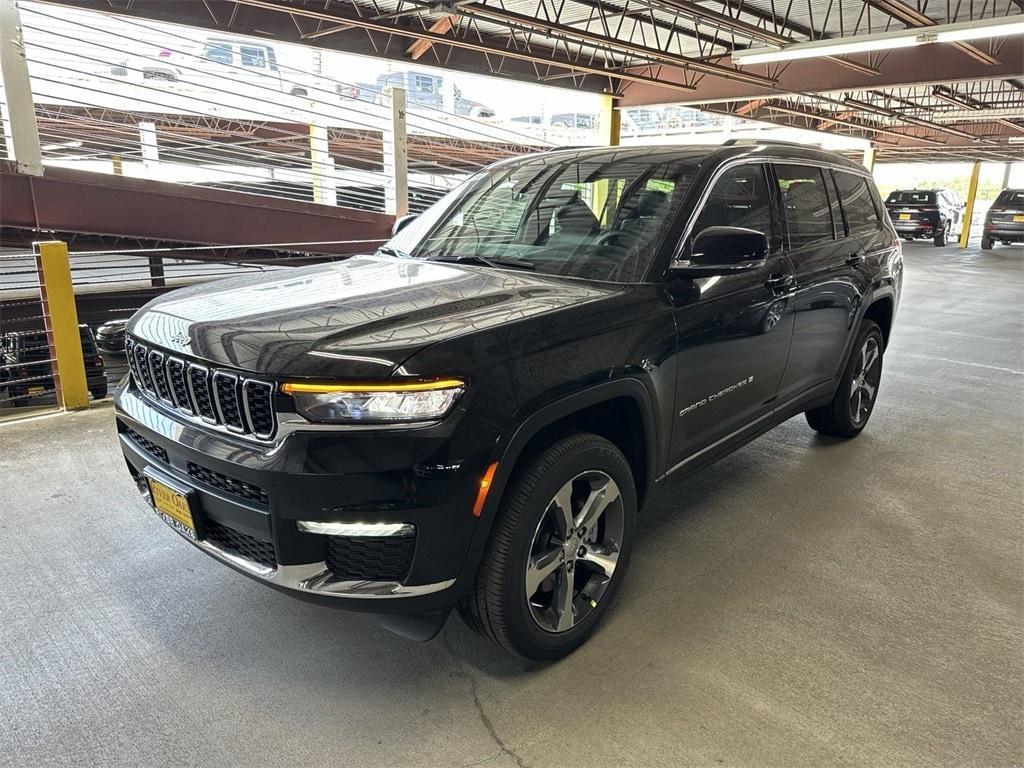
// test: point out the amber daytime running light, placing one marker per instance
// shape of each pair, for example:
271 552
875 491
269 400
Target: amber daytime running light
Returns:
384 402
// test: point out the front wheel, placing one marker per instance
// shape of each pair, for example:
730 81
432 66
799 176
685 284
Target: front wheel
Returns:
558 550
851 407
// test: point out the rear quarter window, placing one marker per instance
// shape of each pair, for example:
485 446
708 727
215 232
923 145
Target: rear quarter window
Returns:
857 199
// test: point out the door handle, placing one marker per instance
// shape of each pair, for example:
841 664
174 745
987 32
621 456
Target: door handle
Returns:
779 282
855 259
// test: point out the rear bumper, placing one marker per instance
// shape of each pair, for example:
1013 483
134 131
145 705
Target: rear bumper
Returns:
253 496
1005 231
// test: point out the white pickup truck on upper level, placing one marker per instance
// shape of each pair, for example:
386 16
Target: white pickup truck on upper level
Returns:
252 62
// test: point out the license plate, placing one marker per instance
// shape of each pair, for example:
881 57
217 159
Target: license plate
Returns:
173 506
904 217
1018 219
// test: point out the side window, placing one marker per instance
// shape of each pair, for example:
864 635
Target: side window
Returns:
808 214
218 52
253 57
856 199
739 199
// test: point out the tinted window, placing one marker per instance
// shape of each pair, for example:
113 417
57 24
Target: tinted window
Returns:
808 216
911 197
1013 197
856 199
738 199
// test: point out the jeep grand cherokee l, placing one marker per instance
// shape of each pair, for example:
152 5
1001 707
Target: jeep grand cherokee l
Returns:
929 213
472 415
1004 221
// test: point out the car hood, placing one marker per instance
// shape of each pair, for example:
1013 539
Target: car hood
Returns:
359 318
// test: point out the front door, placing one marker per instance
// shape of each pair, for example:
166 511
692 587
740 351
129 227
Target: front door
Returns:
734 330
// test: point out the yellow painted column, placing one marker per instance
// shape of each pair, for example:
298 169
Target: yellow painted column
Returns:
60 317
610 128
611 122
972 194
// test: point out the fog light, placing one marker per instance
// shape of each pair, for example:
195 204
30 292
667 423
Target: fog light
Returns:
357 529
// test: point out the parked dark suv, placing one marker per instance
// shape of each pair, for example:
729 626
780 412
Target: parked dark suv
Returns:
1004 221
926 213
26 369
472 415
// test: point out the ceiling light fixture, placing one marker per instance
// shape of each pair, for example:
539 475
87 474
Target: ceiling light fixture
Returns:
884 41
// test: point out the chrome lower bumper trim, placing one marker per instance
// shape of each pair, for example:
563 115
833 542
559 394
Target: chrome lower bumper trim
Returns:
315 578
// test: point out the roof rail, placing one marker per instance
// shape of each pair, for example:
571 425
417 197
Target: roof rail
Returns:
755 142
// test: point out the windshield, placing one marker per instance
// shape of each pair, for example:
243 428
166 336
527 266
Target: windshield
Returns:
912 197
1014 197
599 218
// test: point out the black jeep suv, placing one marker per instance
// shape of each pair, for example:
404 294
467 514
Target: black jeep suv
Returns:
473 414
1004 221
929 213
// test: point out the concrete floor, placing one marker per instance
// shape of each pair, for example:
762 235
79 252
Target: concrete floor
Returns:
802 603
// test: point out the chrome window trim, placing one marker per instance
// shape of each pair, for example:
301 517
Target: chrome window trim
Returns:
759 159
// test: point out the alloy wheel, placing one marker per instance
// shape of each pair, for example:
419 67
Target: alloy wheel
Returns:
866 376
574 551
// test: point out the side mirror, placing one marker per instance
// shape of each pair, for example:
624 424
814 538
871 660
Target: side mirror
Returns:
401 223
723 250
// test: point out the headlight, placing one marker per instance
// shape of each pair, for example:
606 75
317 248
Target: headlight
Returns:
375 403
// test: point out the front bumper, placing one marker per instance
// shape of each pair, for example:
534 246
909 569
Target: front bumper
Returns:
254 494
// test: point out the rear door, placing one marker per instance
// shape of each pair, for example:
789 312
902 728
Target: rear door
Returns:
734 330
827 259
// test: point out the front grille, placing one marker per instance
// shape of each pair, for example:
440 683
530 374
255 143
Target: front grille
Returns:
147 445
259 407
243 490
225 389
241 544
240 404
371 558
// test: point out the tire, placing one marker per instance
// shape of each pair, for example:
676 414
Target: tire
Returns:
99 391
940 236
530 528
838 417
986 244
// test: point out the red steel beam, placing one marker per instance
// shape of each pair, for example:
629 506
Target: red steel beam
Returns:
81 201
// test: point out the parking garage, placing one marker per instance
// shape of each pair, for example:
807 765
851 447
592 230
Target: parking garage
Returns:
278 173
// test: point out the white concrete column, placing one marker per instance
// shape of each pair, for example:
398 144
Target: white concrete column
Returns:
322 166
150 150
20 129
869 158
396 155
1006 175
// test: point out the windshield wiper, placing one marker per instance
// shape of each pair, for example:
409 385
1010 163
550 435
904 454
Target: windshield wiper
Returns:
387 250
486 261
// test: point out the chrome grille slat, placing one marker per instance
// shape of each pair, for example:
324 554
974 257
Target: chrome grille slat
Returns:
238 404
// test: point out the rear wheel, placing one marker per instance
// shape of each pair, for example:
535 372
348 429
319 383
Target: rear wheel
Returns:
99 391
851 407
940 236
558 551
986 244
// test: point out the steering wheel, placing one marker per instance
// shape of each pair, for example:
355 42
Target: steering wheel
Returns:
611 236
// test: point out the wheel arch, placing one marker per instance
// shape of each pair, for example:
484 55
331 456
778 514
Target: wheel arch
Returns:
588 410
881 311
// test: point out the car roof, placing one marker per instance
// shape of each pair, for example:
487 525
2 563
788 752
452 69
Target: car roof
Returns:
713 153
